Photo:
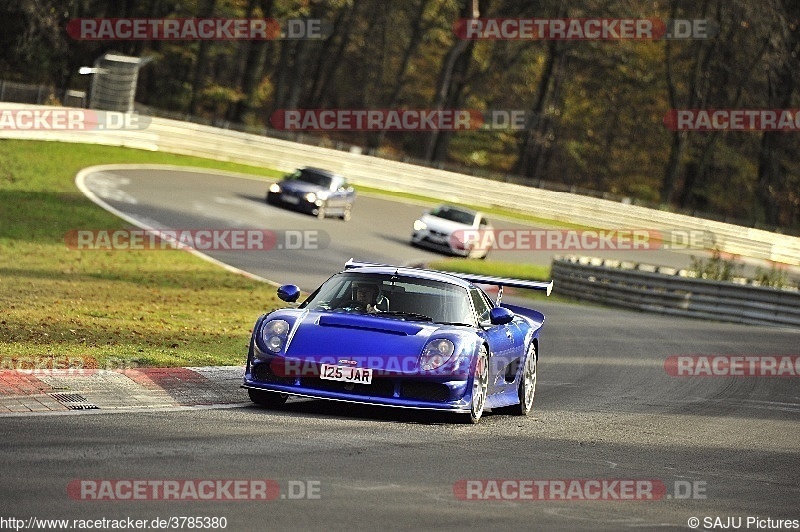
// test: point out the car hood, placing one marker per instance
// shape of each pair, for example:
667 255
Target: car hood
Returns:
363 340
301 187
442 225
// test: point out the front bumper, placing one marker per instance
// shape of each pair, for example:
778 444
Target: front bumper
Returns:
439 242
297 203
395 390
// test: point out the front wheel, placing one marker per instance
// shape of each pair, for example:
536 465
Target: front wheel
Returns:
268 399
527 383
480 384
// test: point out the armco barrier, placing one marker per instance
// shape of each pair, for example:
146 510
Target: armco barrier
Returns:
193 139
592 280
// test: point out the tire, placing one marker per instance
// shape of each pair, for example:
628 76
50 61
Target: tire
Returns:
347 214
527 383
321 212
267 399
480 384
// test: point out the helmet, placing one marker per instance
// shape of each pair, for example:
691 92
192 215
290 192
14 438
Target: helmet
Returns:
365 291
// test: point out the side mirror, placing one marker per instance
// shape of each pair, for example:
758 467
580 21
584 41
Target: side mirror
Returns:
289 293
500 316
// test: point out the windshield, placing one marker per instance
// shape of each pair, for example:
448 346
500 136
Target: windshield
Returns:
454 215
308 176
398 297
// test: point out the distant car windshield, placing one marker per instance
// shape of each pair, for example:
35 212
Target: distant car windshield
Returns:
454 215
399 297
308 176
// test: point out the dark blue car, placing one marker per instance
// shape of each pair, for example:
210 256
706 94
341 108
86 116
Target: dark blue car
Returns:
402 337
314 191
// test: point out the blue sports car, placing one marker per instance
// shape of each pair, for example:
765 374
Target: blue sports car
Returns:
403 337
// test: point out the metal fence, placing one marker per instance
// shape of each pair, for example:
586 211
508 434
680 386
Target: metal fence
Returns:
666 291
11 91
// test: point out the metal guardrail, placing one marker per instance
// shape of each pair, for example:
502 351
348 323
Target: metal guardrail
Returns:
591 279
205 141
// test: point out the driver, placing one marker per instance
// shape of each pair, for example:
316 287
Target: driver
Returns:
367 295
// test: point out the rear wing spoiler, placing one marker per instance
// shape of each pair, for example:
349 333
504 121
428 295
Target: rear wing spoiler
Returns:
478 279
506 281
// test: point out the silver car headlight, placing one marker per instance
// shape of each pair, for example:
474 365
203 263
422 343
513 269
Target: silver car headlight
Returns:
419 225
436 353
274 333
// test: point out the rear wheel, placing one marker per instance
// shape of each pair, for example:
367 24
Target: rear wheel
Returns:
480 383
321 212
346 215
268 399
527 383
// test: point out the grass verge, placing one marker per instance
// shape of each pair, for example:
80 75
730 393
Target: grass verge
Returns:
67 308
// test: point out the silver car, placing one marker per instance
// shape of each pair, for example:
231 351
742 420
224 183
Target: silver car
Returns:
454 230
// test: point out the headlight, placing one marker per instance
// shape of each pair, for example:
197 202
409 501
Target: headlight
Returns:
275 188
436 354
310 197
419 225
274 334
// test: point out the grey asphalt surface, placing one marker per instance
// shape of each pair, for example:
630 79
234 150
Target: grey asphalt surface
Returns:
605 409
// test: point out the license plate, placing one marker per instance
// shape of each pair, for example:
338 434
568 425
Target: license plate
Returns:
290 199
329 372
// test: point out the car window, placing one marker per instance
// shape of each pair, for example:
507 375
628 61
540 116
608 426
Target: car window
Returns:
481 303
442 302
313 178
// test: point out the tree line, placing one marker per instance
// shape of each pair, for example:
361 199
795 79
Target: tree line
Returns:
594 108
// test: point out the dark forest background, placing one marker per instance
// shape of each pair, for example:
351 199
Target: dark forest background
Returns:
597 107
